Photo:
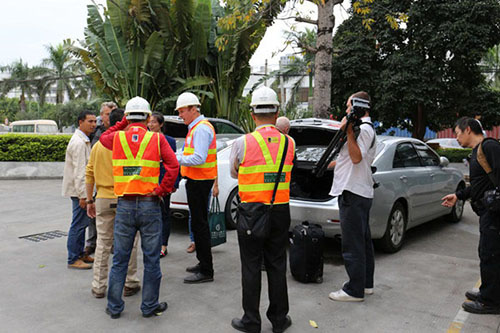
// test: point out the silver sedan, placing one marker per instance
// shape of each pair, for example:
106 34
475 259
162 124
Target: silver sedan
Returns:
410 179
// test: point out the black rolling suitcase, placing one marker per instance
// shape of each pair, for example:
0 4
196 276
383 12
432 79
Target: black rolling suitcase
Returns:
306 253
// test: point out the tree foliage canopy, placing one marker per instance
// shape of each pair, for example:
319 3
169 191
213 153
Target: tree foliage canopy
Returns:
427 71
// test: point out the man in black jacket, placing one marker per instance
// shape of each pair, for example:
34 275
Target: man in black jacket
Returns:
469 134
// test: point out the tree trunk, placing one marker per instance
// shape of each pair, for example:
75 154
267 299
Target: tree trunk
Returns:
323 60
22 102
419 123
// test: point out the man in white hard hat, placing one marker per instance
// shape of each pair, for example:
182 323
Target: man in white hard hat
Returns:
255 160
137 154
198 162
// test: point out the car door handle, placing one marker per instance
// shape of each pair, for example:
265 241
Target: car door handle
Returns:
432 175
404 179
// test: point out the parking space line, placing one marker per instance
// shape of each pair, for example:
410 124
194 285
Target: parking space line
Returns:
461 317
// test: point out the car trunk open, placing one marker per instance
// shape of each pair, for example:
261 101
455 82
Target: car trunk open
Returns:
310 145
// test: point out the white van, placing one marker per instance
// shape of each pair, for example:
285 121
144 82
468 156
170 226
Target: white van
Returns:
40 126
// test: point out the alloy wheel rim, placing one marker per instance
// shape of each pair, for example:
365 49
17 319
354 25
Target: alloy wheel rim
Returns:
397 227
235 201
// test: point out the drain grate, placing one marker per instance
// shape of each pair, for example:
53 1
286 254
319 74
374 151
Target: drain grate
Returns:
45 236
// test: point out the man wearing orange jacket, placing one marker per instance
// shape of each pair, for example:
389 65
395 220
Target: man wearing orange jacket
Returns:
255 161
136 168
198 162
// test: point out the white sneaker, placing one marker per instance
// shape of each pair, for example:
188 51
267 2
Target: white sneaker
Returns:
342 296
368 291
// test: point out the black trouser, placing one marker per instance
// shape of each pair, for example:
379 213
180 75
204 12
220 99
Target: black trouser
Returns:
197 194
165 219
273 249
357 245
489 256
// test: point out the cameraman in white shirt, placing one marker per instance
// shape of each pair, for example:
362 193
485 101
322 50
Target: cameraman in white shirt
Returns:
353 184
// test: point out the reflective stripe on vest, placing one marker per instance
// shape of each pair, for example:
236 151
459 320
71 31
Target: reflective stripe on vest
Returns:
207 170
257 173
139 174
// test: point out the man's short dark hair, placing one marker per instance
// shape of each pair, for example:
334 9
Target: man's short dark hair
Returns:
83 115
465 122
115 116
362 94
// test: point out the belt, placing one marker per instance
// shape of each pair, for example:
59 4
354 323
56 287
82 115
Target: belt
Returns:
140 198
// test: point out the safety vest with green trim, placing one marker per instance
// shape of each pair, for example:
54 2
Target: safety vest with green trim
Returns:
139 174
207 170
258 170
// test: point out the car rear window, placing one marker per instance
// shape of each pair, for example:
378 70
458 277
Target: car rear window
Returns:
176 130
224 128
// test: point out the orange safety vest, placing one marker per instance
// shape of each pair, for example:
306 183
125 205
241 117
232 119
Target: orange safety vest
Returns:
207 170
139 174
258 170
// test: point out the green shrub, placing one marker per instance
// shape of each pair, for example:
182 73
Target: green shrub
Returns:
454 155
33 148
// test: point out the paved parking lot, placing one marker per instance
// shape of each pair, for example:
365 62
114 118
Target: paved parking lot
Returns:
419 289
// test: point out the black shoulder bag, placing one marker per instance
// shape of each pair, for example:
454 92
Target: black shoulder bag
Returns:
491 198
253 217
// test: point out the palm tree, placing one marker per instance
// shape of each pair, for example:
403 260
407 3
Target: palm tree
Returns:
63 70
298 68
21 76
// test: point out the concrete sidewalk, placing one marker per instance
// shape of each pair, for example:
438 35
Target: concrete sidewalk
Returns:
419 289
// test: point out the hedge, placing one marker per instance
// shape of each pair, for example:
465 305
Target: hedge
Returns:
454 155
33 148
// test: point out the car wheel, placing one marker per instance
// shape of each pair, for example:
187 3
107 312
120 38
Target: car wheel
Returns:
396 229
458 210
231 209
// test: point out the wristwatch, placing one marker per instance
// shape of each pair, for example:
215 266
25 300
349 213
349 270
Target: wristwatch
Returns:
88 202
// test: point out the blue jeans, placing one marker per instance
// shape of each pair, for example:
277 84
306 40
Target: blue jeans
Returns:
133 216
76 233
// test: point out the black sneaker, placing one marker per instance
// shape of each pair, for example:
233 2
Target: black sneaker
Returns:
472 295
193 269
158 311
198 278
238 325
480 308
113 316
288 323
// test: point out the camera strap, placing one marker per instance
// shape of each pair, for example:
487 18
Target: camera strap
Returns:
358 130
481 158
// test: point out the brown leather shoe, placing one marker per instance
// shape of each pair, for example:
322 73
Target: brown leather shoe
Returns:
131 291
87 259
79 264
191 248
97 294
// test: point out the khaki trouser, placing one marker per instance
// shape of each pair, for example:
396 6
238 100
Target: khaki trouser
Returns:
105 221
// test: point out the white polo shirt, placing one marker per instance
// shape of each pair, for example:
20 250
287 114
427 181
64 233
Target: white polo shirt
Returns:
356 178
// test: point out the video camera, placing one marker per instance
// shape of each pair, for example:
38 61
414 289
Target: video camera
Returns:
359 107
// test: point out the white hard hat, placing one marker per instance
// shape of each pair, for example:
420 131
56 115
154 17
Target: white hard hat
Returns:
262 97
187 99
137 108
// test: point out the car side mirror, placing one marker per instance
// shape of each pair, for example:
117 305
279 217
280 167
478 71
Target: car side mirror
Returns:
443 162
